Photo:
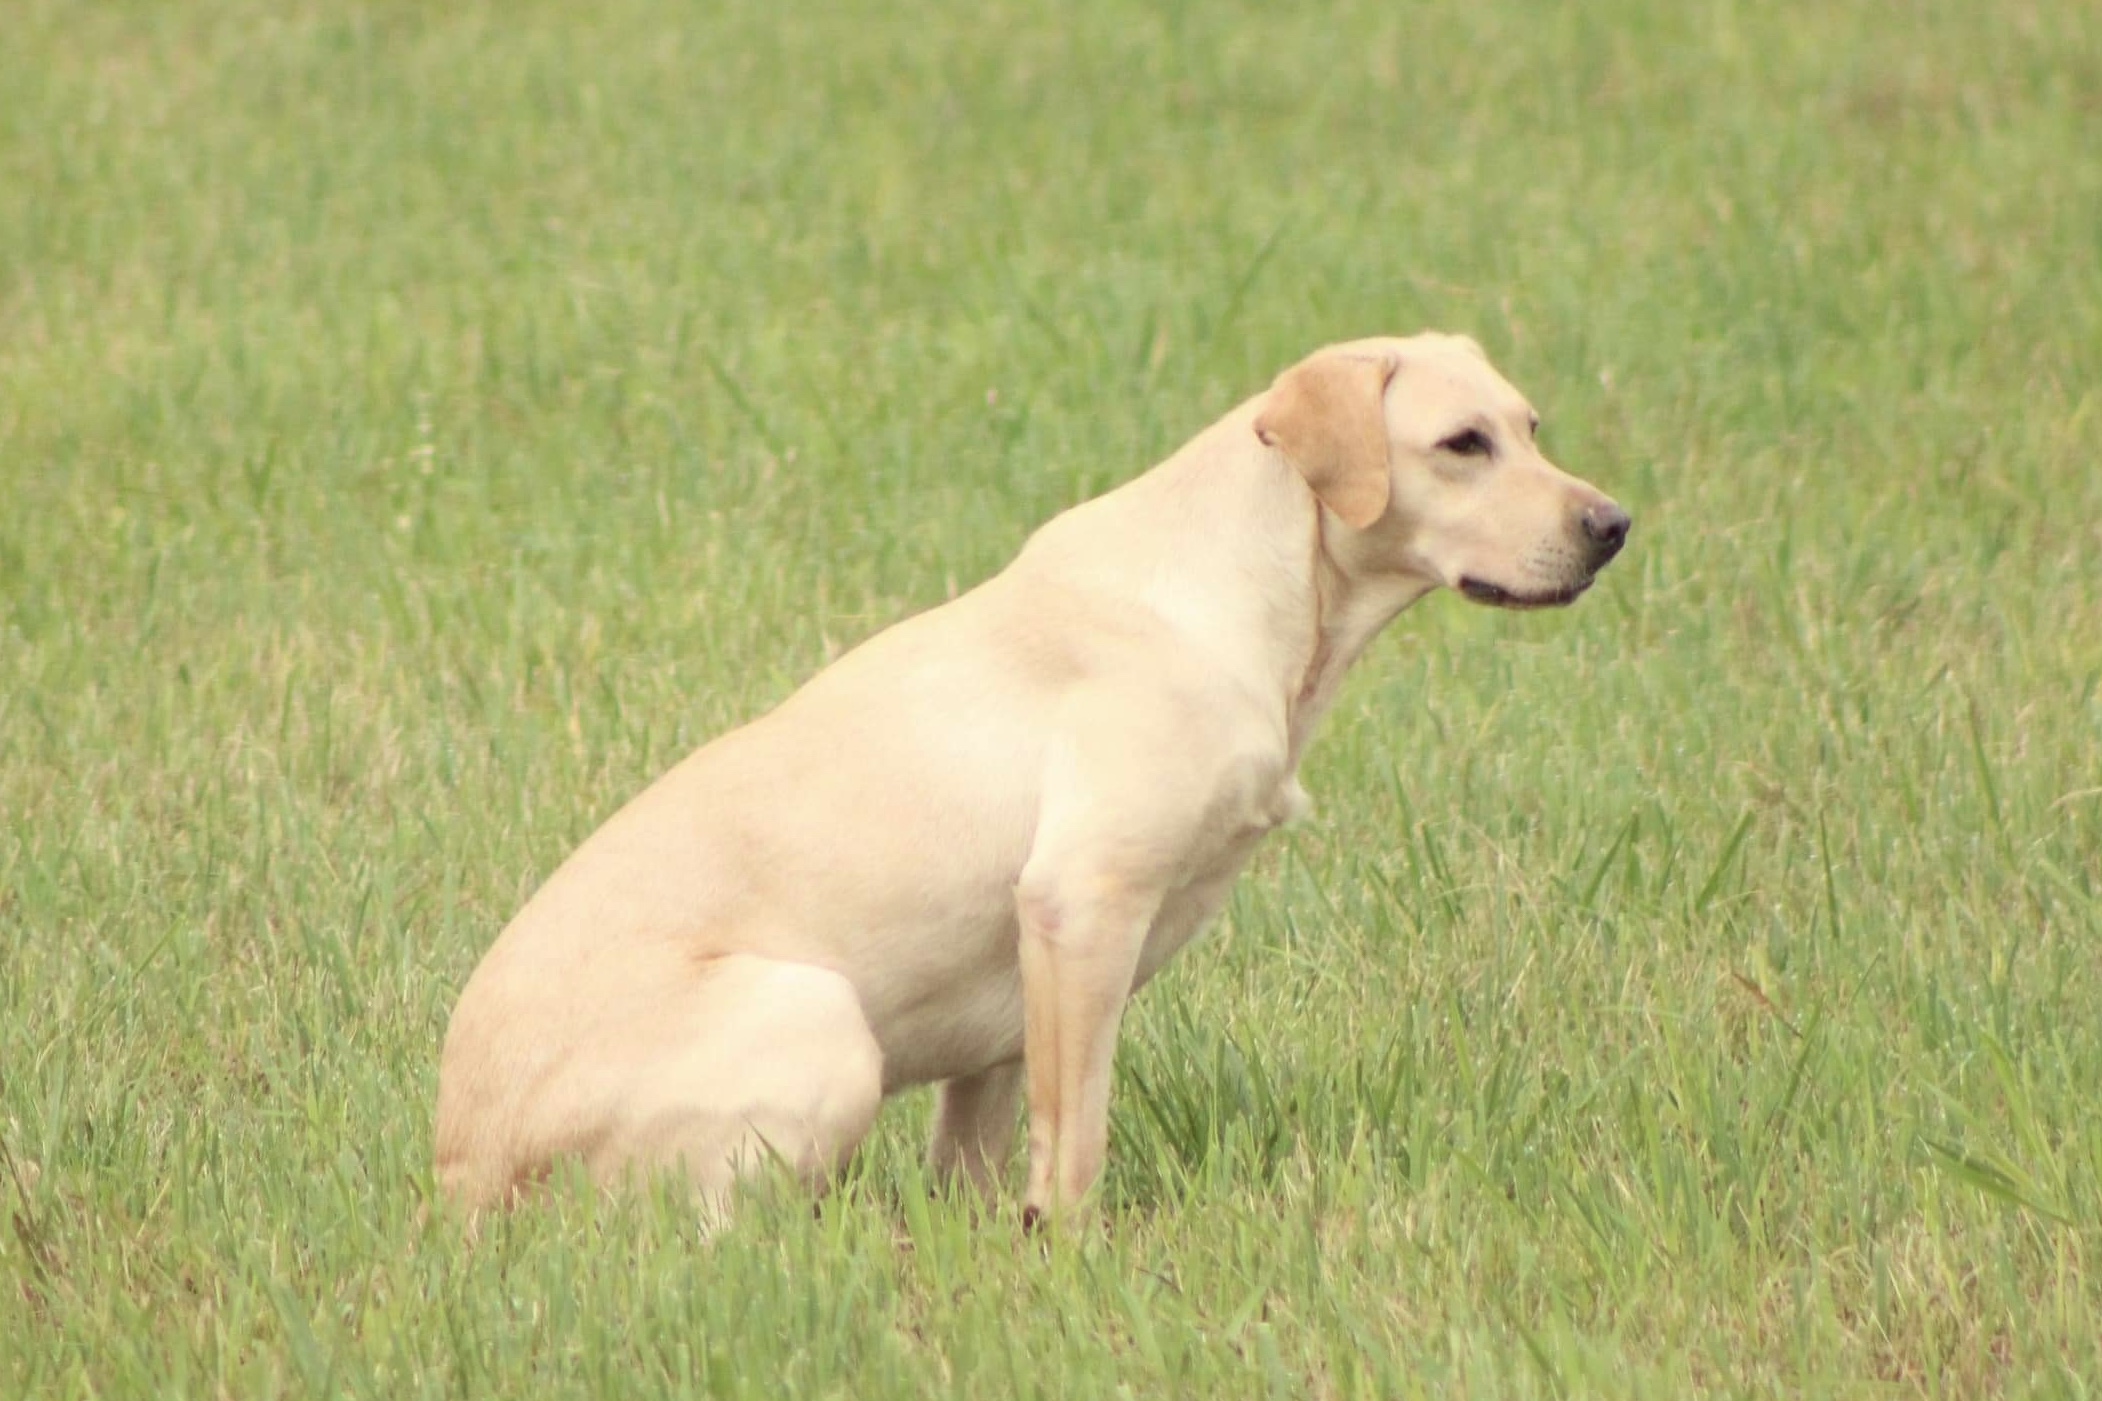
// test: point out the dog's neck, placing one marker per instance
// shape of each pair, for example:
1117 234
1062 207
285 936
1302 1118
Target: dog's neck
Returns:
1226 543
1351 607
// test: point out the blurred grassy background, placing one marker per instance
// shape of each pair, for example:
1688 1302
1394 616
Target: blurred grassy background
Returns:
420 425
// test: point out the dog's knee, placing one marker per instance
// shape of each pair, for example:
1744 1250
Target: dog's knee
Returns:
844 1095
781 1069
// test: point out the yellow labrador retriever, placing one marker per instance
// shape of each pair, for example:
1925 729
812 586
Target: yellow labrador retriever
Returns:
957 852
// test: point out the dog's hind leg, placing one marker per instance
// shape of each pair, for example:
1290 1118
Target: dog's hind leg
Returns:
774 1064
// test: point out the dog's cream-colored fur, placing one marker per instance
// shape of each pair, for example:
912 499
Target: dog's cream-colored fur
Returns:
955 853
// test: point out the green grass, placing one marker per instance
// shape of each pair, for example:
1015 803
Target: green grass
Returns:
420 424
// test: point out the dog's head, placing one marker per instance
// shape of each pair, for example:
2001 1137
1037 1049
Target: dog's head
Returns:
1429 457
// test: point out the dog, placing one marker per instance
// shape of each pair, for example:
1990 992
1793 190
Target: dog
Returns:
956 853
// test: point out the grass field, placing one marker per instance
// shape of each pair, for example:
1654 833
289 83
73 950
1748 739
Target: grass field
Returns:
420 424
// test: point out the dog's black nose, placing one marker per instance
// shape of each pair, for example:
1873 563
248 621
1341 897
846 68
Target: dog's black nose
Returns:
1606 527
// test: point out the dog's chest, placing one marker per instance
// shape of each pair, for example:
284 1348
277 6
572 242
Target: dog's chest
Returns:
1193 904
960 1010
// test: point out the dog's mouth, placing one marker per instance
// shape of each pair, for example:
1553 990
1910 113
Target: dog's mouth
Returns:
1497 596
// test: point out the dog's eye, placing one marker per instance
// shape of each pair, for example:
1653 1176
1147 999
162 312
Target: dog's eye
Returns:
1472 443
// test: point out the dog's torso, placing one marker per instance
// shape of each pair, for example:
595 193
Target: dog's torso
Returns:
922 758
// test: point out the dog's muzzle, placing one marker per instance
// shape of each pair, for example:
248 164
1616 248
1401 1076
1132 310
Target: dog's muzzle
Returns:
1602 530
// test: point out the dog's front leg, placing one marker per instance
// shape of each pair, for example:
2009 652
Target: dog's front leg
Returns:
1080 943
974 1126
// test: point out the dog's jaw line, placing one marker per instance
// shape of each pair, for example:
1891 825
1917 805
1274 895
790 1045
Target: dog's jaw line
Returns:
1497 596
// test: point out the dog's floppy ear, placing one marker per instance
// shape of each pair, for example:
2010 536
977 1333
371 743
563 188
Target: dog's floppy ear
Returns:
1327 416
